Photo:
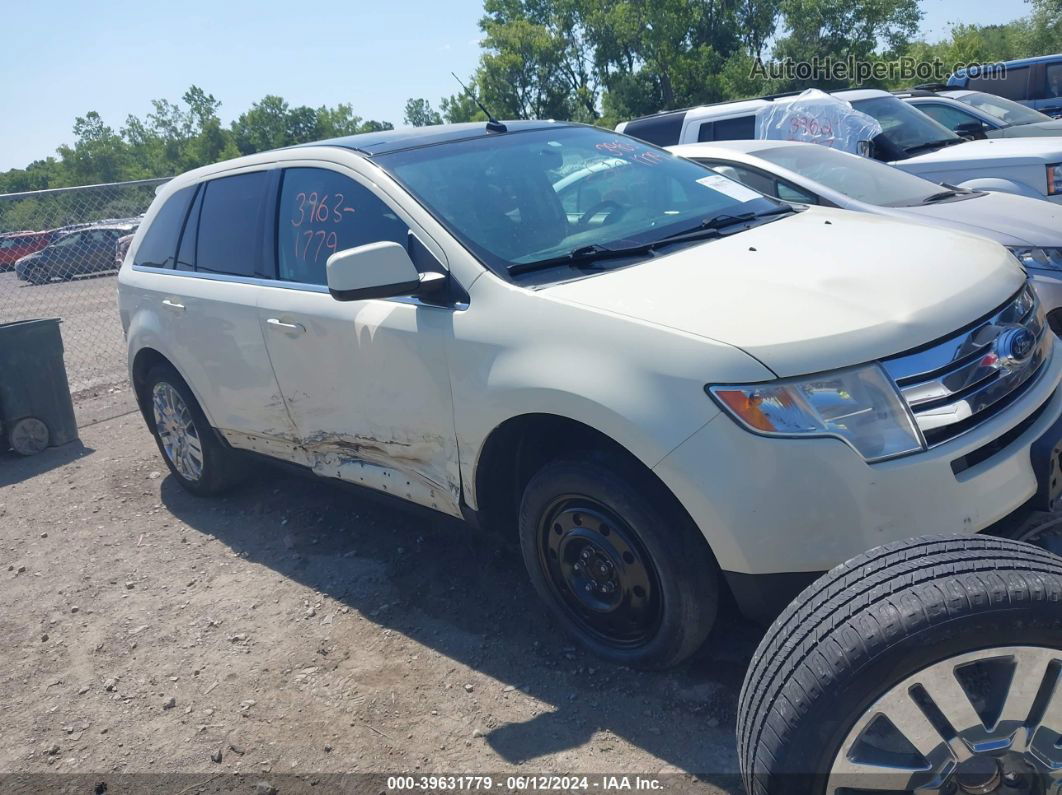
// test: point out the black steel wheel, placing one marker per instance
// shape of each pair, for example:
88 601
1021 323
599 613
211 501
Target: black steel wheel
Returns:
618 562
600 571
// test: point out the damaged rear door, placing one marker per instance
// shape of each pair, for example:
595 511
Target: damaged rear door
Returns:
366 383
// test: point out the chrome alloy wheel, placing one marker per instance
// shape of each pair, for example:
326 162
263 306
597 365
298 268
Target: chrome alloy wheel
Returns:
979 723
177 432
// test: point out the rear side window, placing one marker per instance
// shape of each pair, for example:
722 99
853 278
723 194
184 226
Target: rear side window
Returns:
743 128
228 234
158 249
1015 85
1054 81
664 129
322 212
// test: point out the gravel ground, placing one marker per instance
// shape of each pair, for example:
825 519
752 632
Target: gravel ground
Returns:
299 627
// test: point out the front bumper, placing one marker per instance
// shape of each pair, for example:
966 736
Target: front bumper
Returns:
783 506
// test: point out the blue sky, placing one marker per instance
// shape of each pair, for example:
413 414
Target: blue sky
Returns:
61 59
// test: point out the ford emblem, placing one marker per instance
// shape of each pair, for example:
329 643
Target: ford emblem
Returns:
1014 346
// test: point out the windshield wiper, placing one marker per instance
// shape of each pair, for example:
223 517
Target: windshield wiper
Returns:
933 145
584 255
944 194
579 257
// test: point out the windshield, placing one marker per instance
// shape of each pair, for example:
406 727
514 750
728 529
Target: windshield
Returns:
862 179
1006 110
524 197
907 128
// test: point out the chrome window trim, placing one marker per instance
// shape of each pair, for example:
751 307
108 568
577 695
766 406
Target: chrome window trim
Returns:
283 285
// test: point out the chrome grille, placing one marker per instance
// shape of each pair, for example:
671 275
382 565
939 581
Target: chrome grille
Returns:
956 384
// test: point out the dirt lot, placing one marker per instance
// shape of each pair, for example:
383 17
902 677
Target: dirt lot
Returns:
297 627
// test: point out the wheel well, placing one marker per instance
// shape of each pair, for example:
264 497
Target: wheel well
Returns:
520 446
145 359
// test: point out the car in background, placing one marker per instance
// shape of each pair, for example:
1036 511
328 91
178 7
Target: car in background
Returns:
1036 82
122 248
16 245
976 114
87 250
910 140
805 173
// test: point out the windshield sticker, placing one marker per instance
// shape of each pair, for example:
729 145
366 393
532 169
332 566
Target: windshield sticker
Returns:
735 190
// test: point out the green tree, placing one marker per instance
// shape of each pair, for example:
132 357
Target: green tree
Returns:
420 113
840 29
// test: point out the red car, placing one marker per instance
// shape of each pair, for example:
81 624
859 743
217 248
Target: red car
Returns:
15 245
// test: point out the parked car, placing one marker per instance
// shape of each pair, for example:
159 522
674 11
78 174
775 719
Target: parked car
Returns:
671 389
975 114
910 140
88 250
15 245
1036 82
121 249
811 174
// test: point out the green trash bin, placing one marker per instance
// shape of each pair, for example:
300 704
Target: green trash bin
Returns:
36 410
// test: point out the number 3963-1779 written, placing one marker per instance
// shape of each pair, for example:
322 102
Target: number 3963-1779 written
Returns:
313 216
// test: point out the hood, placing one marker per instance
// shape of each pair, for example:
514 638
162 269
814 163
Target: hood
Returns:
1004 217
815 291
1016 151
1036 128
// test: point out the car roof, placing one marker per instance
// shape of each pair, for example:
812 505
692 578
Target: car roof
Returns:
1018 62
384 141
753 104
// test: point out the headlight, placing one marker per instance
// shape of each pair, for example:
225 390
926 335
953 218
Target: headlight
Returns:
858 405
1054 179
1049 259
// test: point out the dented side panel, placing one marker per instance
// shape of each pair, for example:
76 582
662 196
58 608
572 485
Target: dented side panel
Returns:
367 386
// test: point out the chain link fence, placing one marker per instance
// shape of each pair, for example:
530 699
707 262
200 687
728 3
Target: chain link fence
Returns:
59 255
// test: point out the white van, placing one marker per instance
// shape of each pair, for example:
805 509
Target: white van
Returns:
910 140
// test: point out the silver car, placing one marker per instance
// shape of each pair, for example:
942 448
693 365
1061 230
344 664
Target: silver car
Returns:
810 174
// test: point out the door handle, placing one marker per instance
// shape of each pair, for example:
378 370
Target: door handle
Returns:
172 304
276 322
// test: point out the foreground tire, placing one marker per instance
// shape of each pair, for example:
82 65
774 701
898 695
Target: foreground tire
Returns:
931 665
621 567
195 455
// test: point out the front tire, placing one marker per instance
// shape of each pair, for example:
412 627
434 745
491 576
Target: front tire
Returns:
620 565
195 455
931 665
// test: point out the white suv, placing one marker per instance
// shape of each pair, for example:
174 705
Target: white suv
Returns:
910 140
666 383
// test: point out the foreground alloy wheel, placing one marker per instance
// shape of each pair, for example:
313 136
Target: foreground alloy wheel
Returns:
623 570
986 721
178 436
192 450
933 665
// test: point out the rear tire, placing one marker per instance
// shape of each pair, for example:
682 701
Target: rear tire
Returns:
621 567
192 450
907 659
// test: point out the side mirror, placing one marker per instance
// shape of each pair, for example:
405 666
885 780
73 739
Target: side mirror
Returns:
971 129
377 270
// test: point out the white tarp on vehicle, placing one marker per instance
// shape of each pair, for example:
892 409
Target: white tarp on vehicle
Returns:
817 118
